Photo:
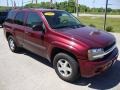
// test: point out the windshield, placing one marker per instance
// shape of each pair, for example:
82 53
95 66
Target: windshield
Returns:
61 19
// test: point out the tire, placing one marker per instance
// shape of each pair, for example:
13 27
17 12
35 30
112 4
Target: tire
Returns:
1 26
66 67
12 44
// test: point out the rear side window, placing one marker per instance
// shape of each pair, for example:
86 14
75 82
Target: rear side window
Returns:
11 16
33 19
19 19
3 13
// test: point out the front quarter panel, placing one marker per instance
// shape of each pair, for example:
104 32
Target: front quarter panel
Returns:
67 44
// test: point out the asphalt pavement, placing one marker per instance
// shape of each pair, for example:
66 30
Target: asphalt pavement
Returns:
26 71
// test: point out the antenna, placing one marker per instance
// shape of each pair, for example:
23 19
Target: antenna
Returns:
77 8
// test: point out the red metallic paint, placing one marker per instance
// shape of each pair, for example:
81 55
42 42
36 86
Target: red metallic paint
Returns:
76 41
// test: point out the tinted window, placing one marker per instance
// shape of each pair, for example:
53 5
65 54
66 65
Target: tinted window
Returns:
33 19
19 19
11 16
3 13
61 19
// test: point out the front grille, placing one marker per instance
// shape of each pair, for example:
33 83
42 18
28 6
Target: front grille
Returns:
107 49
109 46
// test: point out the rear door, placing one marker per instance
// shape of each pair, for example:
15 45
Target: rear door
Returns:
34 40
19 26
9 24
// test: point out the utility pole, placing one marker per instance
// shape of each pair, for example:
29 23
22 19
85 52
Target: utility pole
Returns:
77 8
51 2
22 3
105 14
36 1
12 3
7 4
32 1
55 4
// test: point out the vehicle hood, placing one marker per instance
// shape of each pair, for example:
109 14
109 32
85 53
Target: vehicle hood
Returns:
90 36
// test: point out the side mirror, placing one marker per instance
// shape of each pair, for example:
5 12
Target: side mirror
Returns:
38 27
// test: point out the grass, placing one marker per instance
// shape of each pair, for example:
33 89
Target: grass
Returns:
101 13
99 22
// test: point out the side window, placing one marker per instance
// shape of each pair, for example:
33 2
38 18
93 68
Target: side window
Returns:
66 18
3 13
10 16
33 19
19 19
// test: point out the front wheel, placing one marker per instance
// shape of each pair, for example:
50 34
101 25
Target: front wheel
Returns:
66 67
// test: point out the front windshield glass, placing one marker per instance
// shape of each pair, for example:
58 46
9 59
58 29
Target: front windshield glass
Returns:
61 19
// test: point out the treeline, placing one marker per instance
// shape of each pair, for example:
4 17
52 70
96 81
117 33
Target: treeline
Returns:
2 8
70 7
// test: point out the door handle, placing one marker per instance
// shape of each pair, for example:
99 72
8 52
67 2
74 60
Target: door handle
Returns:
26 32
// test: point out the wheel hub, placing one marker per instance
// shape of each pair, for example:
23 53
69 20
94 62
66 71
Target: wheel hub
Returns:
64 68
12 45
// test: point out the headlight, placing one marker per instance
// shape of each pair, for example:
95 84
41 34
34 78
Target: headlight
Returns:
94 54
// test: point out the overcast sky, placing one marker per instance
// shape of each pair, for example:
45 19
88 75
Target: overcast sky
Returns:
91 3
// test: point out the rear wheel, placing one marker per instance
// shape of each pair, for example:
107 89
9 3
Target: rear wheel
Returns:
1 25
12 44
66 67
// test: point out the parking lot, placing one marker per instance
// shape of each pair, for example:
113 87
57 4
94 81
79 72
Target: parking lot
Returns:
26 71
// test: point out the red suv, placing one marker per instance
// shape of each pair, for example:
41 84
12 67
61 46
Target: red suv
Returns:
73 48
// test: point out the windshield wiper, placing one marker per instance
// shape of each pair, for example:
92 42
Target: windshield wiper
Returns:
71 26
62 27
77 26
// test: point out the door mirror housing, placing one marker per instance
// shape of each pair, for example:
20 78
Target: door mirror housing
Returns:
38 27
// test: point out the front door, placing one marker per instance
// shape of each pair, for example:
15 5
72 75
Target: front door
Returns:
34 40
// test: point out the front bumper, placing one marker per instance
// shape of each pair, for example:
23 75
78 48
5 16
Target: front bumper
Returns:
92 68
